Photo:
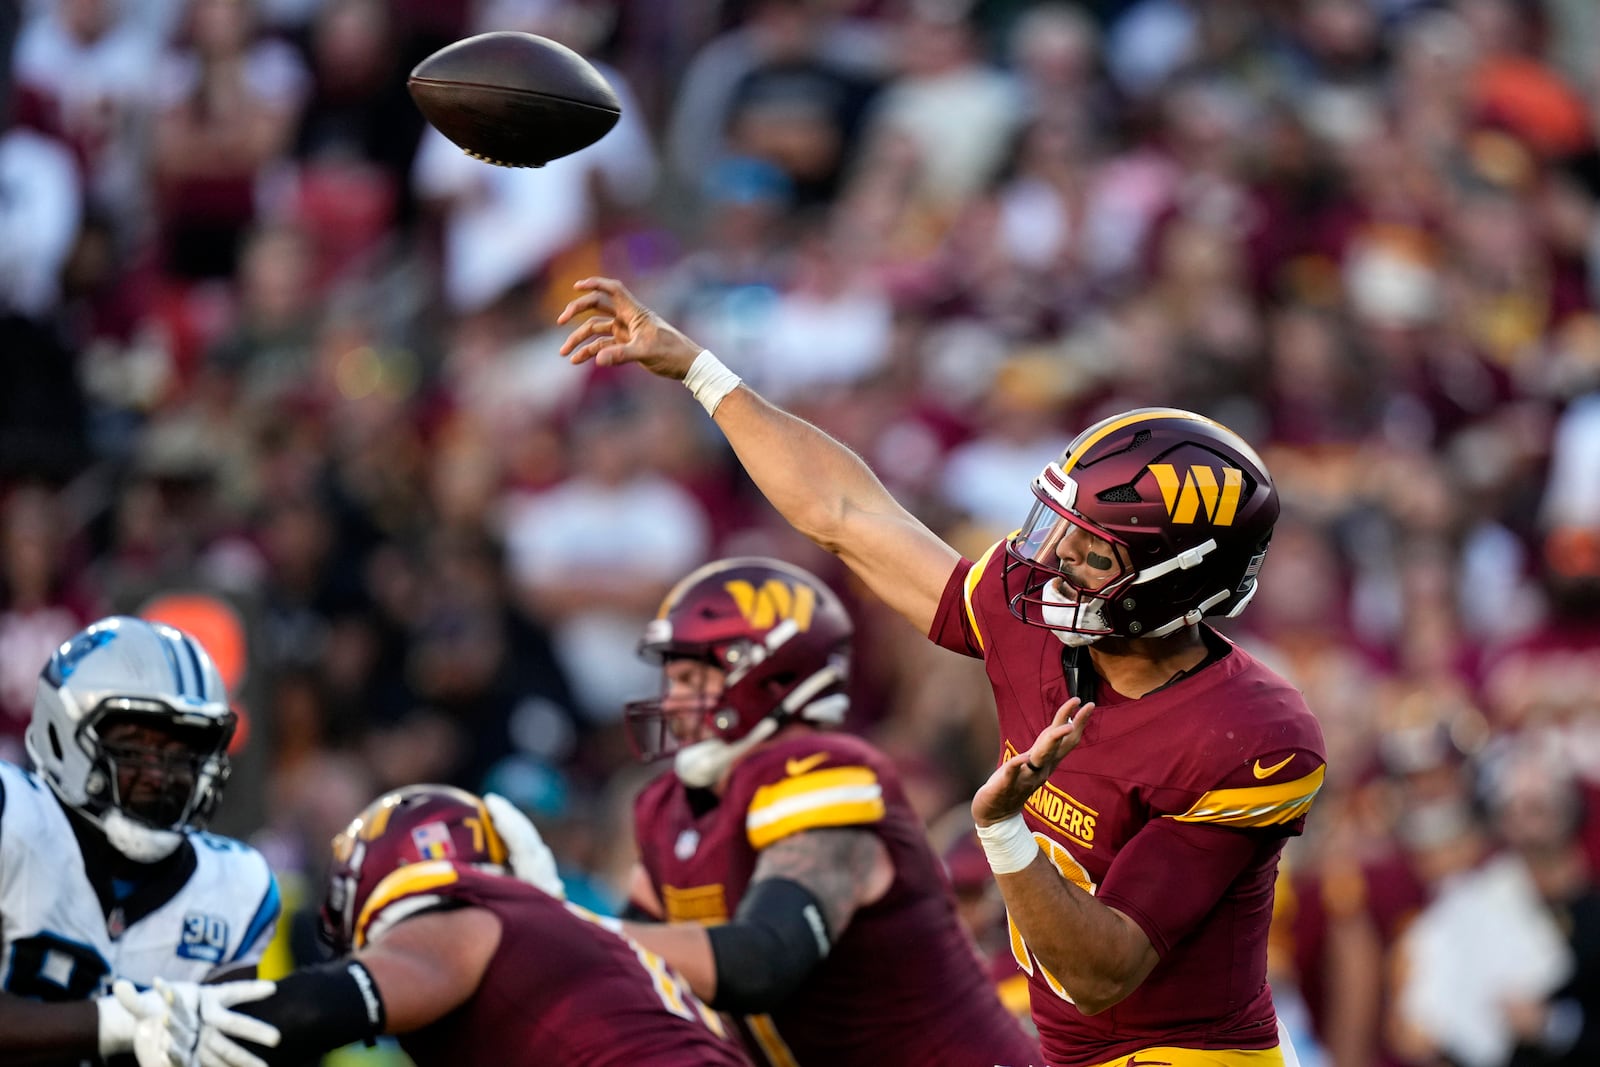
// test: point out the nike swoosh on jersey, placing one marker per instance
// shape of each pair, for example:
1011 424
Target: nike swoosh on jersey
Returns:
796 767
1268 772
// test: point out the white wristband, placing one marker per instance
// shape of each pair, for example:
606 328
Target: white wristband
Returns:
1008 844
710 381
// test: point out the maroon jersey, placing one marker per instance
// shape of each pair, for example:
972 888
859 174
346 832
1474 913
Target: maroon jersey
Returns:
903 983
1173 810
561 990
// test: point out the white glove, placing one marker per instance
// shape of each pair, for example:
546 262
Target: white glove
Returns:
119 1017
190 1025
531 859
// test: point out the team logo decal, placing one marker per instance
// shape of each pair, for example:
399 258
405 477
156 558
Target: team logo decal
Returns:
774 602
686 844
1197 492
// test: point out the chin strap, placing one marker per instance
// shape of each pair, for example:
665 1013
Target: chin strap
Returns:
702 764
137 842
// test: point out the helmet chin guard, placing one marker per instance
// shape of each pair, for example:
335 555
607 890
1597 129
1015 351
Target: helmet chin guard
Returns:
702 764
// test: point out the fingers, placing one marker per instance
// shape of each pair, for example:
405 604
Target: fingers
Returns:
217 1051
1063 735
230 993
128 997
601 326
597 293
244 1027
588 302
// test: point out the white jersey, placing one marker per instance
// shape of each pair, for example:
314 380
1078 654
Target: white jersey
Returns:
58 942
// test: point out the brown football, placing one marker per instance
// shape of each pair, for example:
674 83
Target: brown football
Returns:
513 99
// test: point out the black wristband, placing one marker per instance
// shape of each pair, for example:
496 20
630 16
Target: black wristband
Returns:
778 935
317 1010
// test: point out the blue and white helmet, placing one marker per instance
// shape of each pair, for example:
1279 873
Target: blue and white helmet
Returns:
127 670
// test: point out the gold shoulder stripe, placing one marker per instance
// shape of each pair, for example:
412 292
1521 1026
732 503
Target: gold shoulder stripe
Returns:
1014 995
402 882
1262 805
837 796
971 586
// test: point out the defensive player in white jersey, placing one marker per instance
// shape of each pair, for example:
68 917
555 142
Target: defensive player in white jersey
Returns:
105 871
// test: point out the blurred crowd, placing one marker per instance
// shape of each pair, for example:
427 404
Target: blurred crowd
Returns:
279 364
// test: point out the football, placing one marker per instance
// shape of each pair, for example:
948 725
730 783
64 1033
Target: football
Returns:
514 99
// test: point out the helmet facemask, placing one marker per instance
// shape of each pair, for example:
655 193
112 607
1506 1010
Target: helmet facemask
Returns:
1069 599
159 768
130 729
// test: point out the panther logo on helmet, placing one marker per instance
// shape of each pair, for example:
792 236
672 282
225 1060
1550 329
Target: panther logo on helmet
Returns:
781 639
416 824
1182 510
130 729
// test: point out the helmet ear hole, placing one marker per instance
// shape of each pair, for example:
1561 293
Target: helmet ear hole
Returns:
55 743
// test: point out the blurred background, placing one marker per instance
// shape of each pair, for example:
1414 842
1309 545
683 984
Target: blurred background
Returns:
278 365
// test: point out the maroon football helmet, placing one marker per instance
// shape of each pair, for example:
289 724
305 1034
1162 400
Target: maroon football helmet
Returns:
1186 504
415 824
779 634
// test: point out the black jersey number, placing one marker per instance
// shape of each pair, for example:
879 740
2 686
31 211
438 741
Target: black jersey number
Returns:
49 967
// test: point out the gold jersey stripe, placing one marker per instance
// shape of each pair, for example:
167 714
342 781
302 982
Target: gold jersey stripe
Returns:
971 585
848 813
776 1050
706 904
1015 996
403 881
836 796
799 785
1262 805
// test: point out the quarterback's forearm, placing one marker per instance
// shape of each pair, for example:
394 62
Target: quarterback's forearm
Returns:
826 492
33 1032
1097 953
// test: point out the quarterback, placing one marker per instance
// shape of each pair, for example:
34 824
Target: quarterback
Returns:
797 885
450 949
1151 770
105 872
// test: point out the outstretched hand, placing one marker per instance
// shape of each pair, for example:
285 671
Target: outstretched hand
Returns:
1015 780
529 858
189 1025
622 330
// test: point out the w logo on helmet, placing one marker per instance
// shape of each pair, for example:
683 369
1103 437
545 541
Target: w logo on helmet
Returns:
1198 488
773 602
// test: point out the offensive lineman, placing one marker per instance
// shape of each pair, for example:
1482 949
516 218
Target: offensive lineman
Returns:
798 885
459 952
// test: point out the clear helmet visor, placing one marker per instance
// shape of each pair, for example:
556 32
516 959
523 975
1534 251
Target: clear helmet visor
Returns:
1089 562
